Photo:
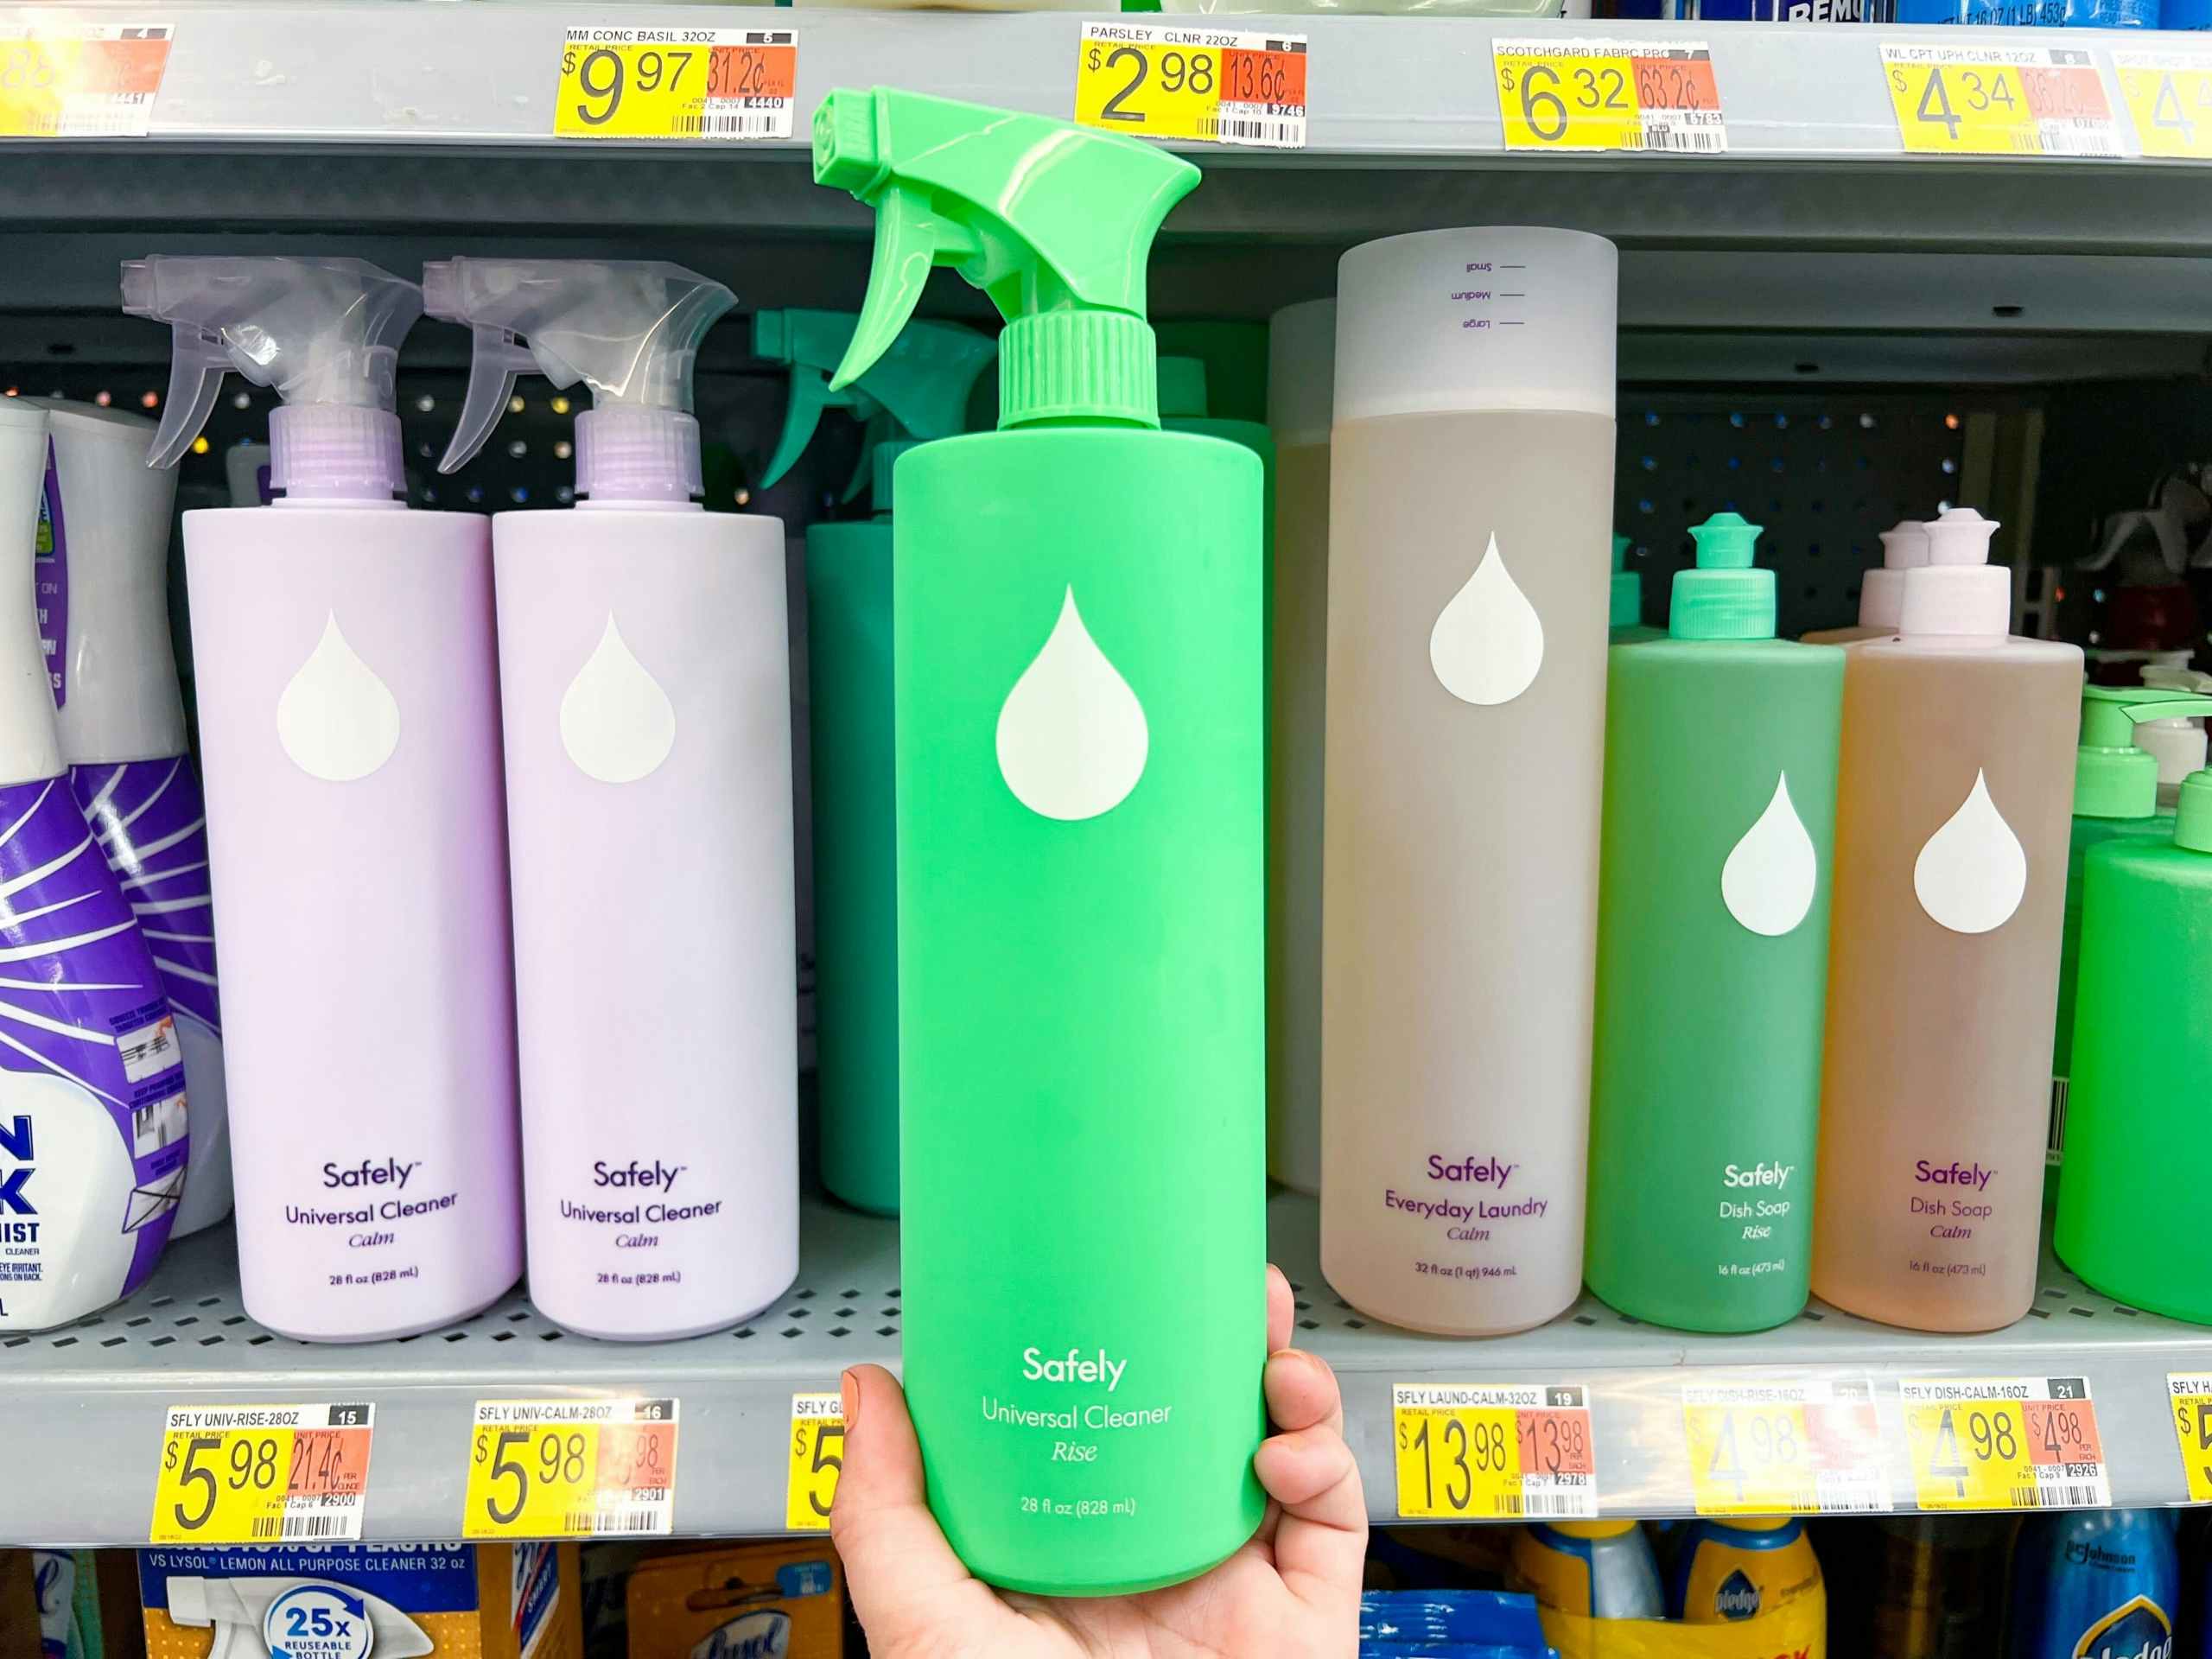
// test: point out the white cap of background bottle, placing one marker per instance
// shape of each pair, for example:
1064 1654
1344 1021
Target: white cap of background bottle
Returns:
1881 592
1958 594
1301 372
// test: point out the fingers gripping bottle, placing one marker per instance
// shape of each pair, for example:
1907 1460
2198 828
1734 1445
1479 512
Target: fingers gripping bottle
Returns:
349 724
917 390
1081 852
1952 793
93 1110
645 679
1469 599
103 564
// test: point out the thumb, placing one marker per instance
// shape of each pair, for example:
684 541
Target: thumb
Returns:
902 1575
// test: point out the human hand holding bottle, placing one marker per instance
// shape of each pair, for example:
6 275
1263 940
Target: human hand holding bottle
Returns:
1291 1592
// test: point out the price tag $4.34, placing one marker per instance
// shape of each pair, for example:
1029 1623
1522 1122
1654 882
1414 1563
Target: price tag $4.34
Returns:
2169 95
2028 100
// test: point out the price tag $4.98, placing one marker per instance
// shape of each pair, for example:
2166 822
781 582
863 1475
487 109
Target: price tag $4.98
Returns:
2004 1444
2169 95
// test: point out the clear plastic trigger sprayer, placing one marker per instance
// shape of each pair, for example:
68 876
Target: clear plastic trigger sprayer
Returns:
629 329
324 332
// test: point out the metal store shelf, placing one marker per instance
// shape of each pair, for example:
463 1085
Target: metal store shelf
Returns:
81 1432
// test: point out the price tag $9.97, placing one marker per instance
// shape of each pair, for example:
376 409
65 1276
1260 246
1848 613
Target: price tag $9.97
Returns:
685 83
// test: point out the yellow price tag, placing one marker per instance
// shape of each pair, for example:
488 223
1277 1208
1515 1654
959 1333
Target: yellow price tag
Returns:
1482 1452
262 1474
676 83
1998 101
2005 1443
1604 94
570 1469
1789 1447
1197 85
89 82
817 1454
2192 1394
2169 97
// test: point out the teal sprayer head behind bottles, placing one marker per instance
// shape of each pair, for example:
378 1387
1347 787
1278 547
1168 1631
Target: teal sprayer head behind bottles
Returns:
324 332
2113 778
1054 221
2193 807
917 391
628 328
1726 597
1628 588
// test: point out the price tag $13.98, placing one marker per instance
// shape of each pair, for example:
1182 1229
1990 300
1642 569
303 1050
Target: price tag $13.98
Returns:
1487 1453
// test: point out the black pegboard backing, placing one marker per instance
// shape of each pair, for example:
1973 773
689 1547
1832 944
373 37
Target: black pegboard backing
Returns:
1825 473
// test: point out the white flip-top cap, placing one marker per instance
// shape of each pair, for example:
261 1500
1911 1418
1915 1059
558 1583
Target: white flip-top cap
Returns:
1301 372
1881 594
1488 318
1958 591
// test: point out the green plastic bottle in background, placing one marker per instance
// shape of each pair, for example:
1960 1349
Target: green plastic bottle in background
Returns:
1712 933
2115 797
2135 1209
1627 612
1082 874
917 391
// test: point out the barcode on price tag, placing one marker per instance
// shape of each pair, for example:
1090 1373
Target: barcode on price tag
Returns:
2005 1443
1607 94
1485 1452
262 1474
80 80
1207 86
571 1469
2192 1394
2169 97
2000 100
677 83
1790 1446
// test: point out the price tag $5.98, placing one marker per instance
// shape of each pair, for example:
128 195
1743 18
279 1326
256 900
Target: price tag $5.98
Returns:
570 1469
262 1475
818 1446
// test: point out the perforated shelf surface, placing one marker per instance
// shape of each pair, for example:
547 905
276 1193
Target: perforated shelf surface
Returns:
83 1406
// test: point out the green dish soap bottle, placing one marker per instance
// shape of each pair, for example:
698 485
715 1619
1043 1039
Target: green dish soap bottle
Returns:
917 391
2134 1215
1722 748
1077 625
2115 797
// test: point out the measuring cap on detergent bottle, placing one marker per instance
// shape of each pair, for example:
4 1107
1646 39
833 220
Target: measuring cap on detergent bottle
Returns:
324 332
628 328
1052 221
1727 597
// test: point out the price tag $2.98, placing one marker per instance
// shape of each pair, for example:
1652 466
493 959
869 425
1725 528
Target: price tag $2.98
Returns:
1196 85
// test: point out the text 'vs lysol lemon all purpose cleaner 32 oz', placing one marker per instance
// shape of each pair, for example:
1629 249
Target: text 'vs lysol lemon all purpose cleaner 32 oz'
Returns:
1077 651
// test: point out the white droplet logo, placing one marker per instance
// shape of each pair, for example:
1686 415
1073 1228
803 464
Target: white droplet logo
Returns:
1489 642
616 723
1073 738
336 719
1772 873
1973 873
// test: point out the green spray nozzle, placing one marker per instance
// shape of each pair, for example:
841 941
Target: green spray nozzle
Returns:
1054 222
2113 778
922 384
1726 597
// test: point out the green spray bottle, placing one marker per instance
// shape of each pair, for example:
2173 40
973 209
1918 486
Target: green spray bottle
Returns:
915 392
1081 853
1721 746
2115 797
2134 1218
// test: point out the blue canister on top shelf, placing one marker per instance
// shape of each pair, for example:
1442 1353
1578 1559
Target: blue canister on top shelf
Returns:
1785 11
